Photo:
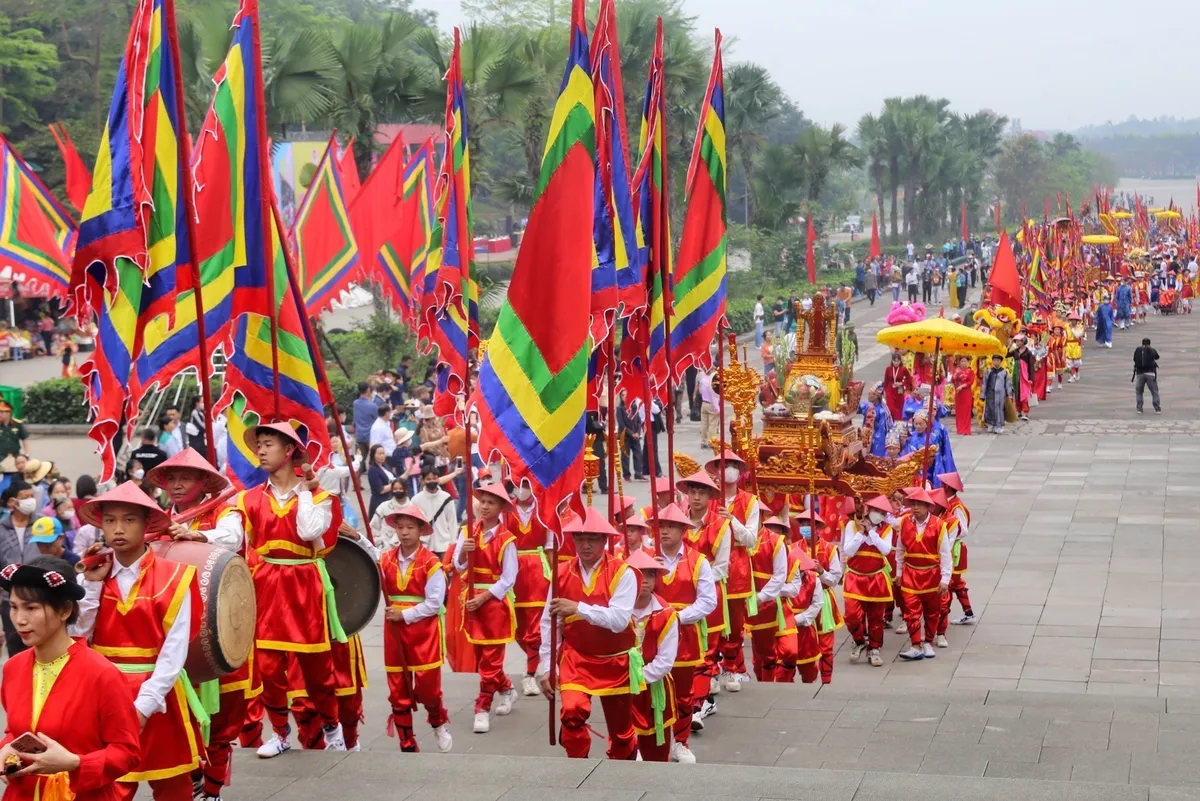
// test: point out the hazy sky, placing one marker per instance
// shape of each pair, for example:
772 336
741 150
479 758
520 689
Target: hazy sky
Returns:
1050 63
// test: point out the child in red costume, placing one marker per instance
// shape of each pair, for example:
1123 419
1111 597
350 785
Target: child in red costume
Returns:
829 569
291 524
958 524
924 564
657 626
592 604
533 578
688 586
709 534
868 581
414 586
768 564
490 621
799 646
141 612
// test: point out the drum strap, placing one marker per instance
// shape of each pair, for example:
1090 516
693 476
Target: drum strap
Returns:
335 624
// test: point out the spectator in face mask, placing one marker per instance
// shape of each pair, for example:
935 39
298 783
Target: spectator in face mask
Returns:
439 509
16 546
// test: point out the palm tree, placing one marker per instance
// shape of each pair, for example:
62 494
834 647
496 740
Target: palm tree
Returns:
819 152
777 181
893 109
873 141
752 100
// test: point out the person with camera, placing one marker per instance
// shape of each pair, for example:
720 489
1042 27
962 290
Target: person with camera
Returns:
1145 374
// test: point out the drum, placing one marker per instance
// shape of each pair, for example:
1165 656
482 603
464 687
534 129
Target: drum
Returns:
228 619
356 583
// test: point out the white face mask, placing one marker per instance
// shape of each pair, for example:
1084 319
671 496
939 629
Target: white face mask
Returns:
138 474
522 493
876 516
27 506
732 474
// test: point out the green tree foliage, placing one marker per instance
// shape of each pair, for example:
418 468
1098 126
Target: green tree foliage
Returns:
27 66
1029 170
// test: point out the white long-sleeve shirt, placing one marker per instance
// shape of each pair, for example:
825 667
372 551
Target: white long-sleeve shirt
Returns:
792 588
833 576
668 646
228 532
508 563
771 590
945 551
853 539
745 535
706 589
960 514
172 655
312 519
615 616
435 590
720 562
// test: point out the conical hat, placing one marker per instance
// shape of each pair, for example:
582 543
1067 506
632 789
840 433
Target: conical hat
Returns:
188 459
128 493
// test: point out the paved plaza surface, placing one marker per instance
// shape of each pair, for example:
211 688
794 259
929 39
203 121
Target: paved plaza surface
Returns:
1080 680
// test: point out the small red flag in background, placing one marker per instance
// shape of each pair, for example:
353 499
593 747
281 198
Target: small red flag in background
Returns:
876 249
79 177
966 229
810 259
1006 283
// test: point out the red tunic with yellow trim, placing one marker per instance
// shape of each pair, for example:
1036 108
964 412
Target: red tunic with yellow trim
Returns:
952 529
706 538
650 631
868 573
825 553
533 566
130 633
762 566
415 646
679 590
494 623
922 560
292 613
808 645
594 660
739 584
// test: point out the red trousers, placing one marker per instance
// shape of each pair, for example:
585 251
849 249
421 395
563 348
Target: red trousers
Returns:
651 751
927 605
224 730
864 619
308 725
489 662
529 635
827 645
176 788
405 691
705 673
251 735
788 653
350 714
576 736
733 656
765 653
683 678
318 682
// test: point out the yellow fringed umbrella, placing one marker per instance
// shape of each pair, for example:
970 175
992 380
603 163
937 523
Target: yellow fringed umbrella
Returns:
939 335
1122 215
1168 213
1100 239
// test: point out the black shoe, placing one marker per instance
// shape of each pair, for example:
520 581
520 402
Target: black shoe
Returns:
1158 411
1139 411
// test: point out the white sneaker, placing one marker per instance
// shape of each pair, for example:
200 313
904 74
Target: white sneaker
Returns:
682 754
707 709
965 620
731 682
356 749
714 685
912 654
941 642
274 747
857 652
697 721
504 701
927 651
529 686
638 758
743 678
902 628
483 723
444 741
334 739
875 659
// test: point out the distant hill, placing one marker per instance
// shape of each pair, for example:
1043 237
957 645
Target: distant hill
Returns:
1163 126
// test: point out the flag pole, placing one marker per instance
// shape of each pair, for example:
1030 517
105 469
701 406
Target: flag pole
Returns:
203 365
553 671
651 457
663 209
323 378
721 409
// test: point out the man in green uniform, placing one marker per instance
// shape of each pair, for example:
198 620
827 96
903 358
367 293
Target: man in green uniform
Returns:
12 433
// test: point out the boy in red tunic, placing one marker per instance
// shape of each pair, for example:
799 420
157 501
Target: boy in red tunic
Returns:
593 606
825 553
744 514
688 586
868 581
533 578
140 612
958 523
709 534
190 481
768 565
290 525
657 626
924 564
799 646
490 621
414 586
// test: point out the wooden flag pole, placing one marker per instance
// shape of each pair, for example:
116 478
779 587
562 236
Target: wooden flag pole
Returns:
470 504
651 459
553 672
320 329
203 364
721 411
612 426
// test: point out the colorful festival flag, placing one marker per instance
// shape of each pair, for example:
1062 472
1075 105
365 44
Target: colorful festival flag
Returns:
242 465
37 235
699 279
403 258
348 173
79 177
321 238
532 382
133 249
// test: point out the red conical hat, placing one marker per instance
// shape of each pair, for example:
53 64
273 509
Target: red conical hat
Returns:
699 478
921 496
805 561
128 493
775 522
951 480
879 502
636 521
640 560
411 510
624 502
284 429
662 484
188 459
592 522
730 457
496 489
673 514
939 497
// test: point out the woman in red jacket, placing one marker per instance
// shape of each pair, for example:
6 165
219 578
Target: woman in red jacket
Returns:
61 696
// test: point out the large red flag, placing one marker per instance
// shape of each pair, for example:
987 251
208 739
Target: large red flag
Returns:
1006 283
876 249
79 177
966 230
375 209
348 172
809 257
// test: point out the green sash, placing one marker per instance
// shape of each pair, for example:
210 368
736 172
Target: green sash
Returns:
199 712
658 703
416 599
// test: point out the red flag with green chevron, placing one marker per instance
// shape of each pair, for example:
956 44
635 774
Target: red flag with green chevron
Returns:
699 278
533 380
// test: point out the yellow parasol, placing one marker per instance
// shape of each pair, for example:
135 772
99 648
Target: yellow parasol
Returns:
939 335
1100 239
1168 213
1157 210
1122 215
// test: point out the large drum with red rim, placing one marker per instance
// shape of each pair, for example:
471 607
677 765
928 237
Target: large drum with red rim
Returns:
228 619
